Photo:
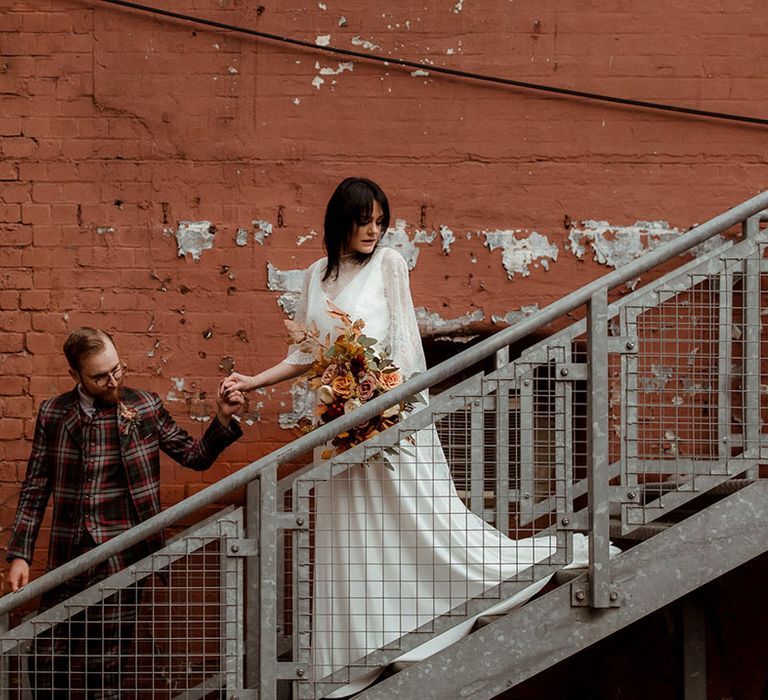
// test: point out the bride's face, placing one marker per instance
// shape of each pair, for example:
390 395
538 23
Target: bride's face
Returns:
365 236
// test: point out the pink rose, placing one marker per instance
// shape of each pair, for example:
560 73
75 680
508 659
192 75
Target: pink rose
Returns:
330 373
366 387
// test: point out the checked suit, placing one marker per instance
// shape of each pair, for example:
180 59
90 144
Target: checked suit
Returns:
128 438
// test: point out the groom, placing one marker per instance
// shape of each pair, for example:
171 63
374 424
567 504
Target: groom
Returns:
96 451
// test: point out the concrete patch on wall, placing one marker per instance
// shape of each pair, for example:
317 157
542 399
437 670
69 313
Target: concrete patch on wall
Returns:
289 282
618 245
194 237
303 407
432 325
512 317
519 254
241 237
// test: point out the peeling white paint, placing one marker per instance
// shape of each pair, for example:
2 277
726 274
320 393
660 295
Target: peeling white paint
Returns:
289 282
261 229
519 254
303 406
659 377
512 317
317 81
431 324
342 21
458 7
241 237
101 230
618 245
232 70
364 43
301 240
151 353
447 237
422 236
194 237
347 65
322 6
420 73
323 39
173 394
296 100
398 239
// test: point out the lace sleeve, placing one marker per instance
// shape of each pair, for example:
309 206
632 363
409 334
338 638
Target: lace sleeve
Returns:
296 356
404 339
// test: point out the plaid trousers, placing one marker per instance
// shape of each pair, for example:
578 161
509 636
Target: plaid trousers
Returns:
83 656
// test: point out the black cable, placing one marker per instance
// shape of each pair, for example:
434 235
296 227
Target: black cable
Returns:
438 69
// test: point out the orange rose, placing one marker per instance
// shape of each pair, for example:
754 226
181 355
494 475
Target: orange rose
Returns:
389 380
343 386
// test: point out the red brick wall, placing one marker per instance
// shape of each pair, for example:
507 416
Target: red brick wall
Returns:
115 126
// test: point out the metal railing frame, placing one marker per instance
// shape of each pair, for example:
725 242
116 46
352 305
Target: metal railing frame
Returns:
594 295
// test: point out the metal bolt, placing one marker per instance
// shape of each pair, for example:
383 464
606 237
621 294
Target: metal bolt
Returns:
300 671
477 403
630 346
235 548
725 439
613 595
580 595
632 495
527 382
564 372
300 521
526 495
565 521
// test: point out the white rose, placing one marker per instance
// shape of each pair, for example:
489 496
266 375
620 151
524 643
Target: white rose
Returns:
352 404
325 394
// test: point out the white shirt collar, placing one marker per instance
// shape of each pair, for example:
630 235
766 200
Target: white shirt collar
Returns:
86 402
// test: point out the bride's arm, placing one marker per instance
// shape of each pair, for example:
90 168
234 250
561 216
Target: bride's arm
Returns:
404 339
277 373
296 362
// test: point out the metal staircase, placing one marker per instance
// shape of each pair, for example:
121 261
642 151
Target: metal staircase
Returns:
636 406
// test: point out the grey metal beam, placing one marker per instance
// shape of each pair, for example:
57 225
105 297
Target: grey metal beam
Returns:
548 630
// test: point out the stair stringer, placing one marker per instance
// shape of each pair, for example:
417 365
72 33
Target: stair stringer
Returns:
548 630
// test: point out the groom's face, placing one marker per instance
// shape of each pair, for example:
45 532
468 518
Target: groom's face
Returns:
101 374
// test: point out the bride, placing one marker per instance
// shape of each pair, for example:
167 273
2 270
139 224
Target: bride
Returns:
394 547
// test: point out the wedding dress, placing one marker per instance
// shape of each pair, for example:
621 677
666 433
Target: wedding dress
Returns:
395 548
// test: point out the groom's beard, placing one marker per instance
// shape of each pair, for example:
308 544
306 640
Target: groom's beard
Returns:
109 396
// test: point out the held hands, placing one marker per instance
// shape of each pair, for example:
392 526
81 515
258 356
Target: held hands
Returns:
229 403
236 382
18 574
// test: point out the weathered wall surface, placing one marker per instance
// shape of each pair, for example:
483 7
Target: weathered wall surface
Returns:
164 180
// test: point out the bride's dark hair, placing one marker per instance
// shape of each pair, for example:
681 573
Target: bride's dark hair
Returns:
351 204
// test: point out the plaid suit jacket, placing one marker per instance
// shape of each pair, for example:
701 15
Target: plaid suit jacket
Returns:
55 467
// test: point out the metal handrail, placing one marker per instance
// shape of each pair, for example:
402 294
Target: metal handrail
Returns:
489 346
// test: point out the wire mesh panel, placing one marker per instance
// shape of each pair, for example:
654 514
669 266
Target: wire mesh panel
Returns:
399 549
168 626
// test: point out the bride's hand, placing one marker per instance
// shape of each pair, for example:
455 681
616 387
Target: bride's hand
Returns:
236 382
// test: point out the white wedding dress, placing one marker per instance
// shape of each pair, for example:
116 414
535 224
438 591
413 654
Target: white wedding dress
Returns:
395 548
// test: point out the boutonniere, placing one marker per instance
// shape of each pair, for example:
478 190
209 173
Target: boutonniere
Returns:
129 417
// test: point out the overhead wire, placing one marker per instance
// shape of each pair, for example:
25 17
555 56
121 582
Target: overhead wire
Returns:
440 70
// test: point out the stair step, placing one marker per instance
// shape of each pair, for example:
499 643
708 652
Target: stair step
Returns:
641 532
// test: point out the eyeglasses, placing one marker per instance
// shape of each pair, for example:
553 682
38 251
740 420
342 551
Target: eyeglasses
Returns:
116 374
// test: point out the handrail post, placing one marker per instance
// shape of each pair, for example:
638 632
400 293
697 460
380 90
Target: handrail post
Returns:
599 593
752 332
267 575
252 588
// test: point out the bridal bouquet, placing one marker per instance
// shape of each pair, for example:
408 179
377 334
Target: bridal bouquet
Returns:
347 373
